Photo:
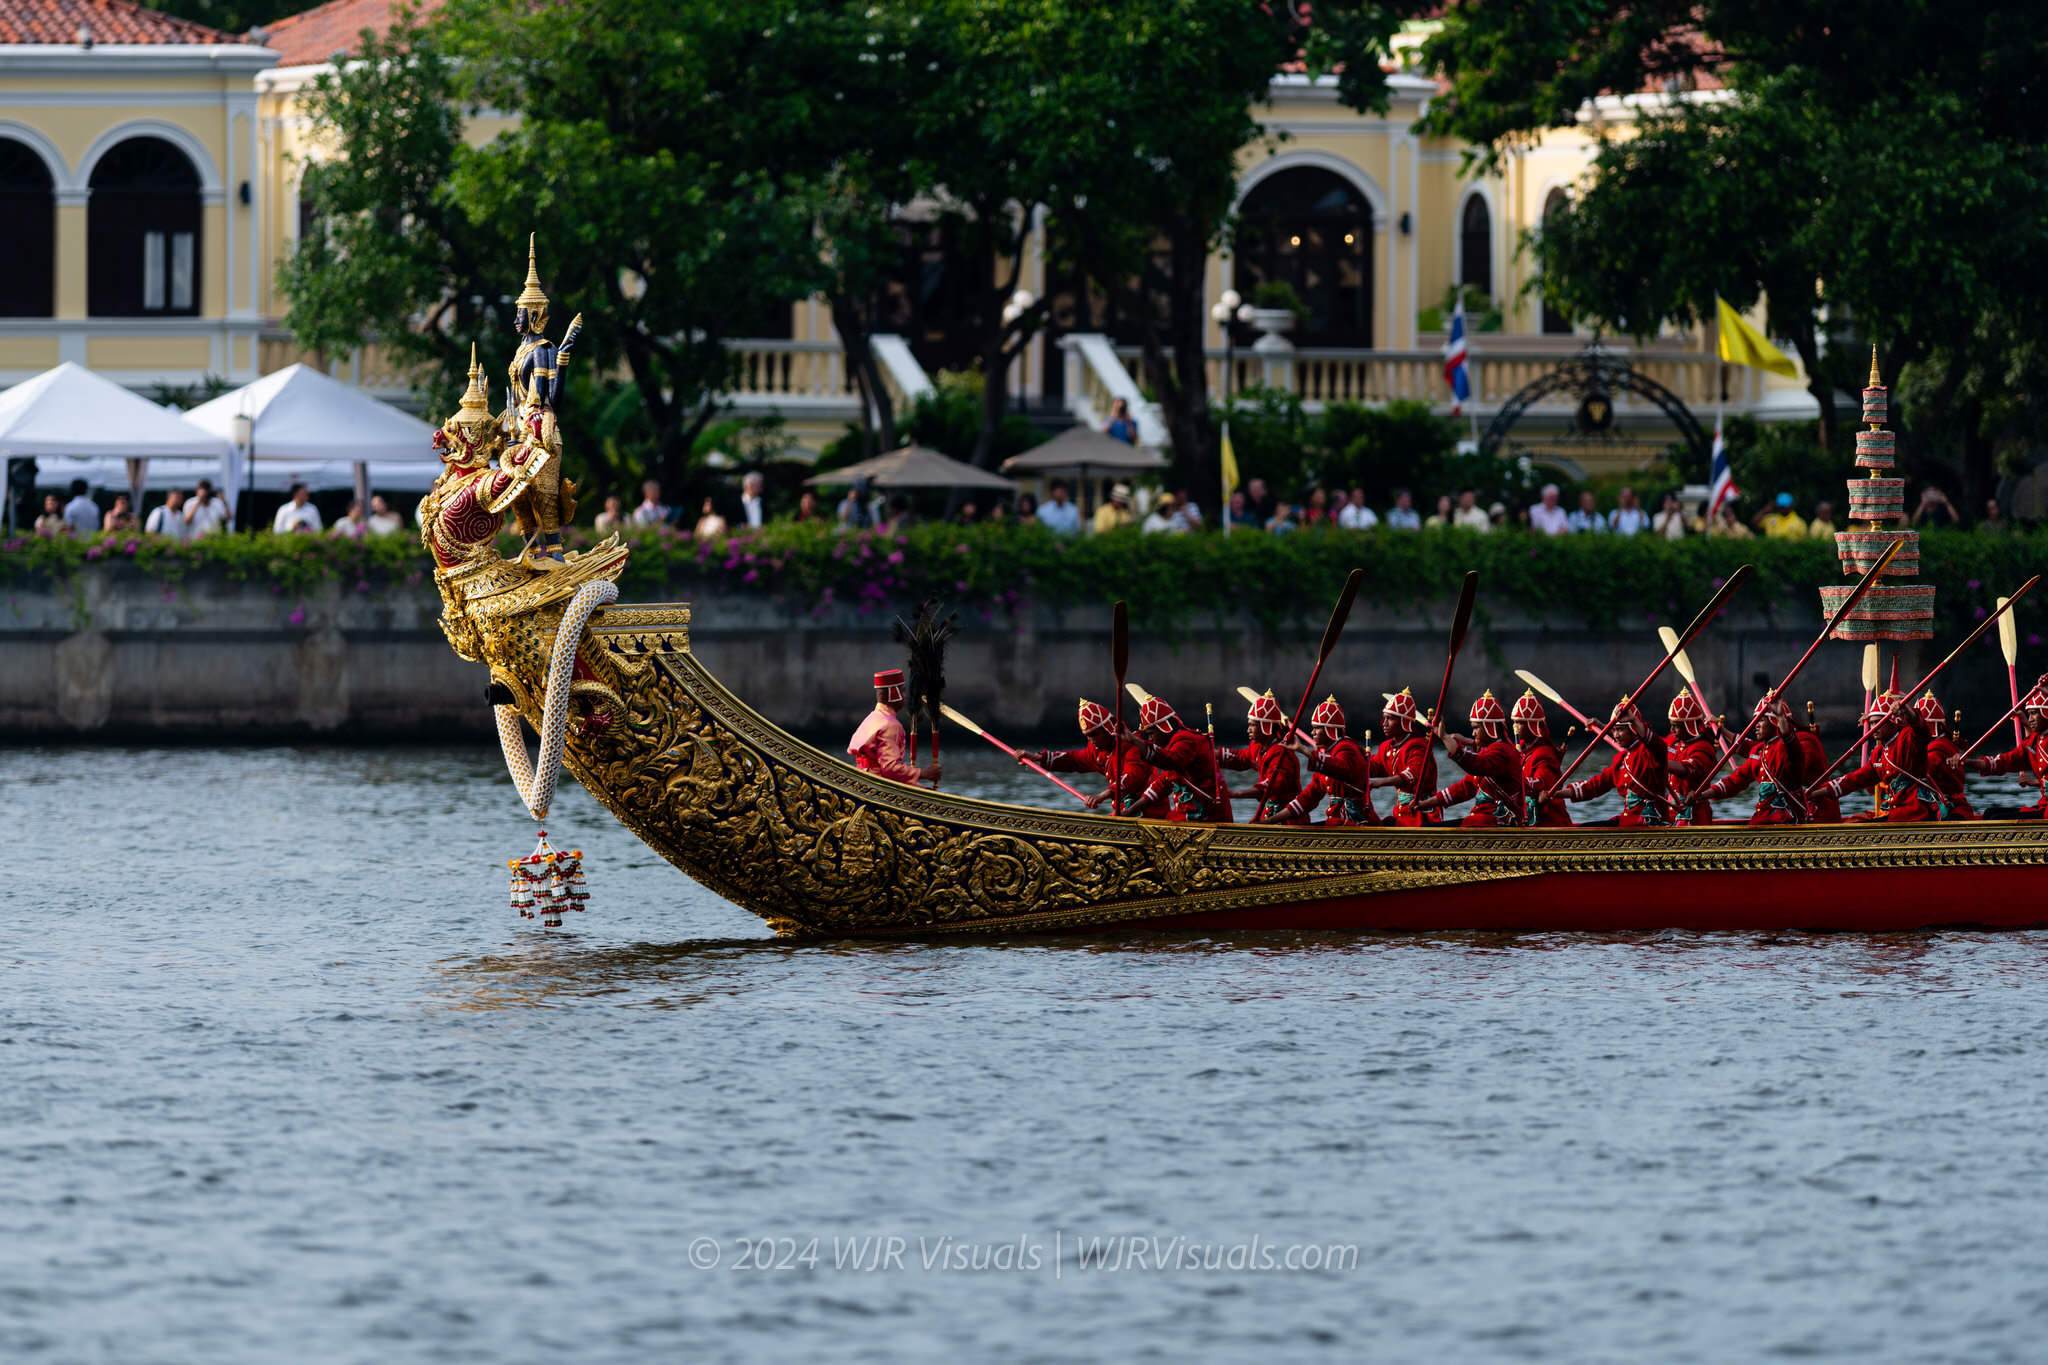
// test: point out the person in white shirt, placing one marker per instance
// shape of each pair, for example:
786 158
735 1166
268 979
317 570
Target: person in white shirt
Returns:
1402 515
352 526
1587 519
383 521
751 505
1670 519
652 511
1547 517
169 519
1058 513
1470 514
1162 517
298 514
81 514
1629 518
207 512
1354 515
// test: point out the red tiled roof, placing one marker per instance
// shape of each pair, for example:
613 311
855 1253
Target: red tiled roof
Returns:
111 21
315 36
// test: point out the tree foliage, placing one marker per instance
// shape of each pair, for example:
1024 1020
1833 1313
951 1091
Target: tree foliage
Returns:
1875 169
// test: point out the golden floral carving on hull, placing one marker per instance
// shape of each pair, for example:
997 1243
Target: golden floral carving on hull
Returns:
815 846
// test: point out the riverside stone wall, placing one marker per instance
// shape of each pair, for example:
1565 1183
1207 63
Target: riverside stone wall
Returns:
114 653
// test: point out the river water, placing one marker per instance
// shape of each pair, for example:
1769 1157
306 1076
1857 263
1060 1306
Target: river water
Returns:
281 1077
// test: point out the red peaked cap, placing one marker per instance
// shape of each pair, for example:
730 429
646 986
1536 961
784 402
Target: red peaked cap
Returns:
889 677
1265 710
1093 716
1328 715
1155 711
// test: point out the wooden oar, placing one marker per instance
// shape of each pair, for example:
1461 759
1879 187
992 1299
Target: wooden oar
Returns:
1547 690
1461 621
1979 741
2009 645
950 714
1863 586
1699 623
1692 683
2005 605
1120 662
1331 633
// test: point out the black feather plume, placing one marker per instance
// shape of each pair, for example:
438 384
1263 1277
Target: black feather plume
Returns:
924 649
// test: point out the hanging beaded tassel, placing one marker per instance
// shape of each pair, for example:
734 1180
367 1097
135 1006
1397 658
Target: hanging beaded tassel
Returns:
545 883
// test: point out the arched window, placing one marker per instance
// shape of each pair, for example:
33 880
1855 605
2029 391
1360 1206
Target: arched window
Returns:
142 232
1554 322
1311 228
28 205
1475 245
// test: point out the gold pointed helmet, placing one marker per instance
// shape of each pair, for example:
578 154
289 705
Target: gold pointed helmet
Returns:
476 402
532 296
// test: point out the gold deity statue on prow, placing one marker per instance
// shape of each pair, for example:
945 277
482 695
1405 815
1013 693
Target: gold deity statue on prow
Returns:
533 443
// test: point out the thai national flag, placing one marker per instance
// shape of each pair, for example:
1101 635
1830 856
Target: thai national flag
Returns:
1455 373
1721 480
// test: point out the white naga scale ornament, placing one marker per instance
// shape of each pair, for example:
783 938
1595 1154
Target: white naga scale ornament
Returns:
537 783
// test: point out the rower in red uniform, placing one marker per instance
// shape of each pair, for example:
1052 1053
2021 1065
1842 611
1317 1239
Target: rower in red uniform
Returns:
1822 806
1542 762
1689 756
1639 772
1896 774
1493 771
2031 755
1340 771
1774 764
1405 760
1942 770
1184 774
1098 755
1279 780
879 745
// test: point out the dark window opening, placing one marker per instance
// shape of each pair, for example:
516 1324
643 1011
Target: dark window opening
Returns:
1475 246
28 206
934 299
1311 229
1554 322
142 232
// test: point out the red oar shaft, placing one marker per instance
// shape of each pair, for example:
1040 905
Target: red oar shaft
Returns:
1978 743
1035 767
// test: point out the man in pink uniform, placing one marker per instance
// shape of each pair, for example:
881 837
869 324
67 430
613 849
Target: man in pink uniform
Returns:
879 745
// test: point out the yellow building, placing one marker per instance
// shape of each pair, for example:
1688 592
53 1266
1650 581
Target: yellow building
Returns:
151 169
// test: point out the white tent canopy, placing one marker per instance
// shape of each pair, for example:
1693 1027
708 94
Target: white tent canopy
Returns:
308 428
82 425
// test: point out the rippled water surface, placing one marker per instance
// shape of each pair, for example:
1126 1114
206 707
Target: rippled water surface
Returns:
282 1078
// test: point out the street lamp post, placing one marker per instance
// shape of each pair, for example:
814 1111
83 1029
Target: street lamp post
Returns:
243 433
1228 309
1019 304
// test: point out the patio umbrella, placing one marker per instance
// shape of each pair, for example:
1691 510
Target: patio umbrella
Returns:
912 467
1083 452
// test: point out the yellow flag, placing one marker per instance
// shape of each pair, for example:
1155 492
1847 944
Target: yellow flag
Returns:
1742 344
1229 465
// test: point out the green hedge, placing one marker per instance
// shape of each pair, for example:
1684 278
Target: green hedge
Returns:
1169 581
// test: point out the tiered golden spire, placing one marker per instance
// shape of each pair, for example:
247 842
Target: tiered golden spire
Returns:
531 295
476 402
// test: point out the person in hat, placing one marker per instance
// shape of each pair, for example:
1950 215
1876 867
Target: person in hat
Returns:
1942 769
1116 513
1775 765
1493 770
1542 763
1640 772
1184 775
1279 780
1896 774
1340 772
539 373
880 744
1781 522
1098 755
1406 759
2030 755
1689 755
